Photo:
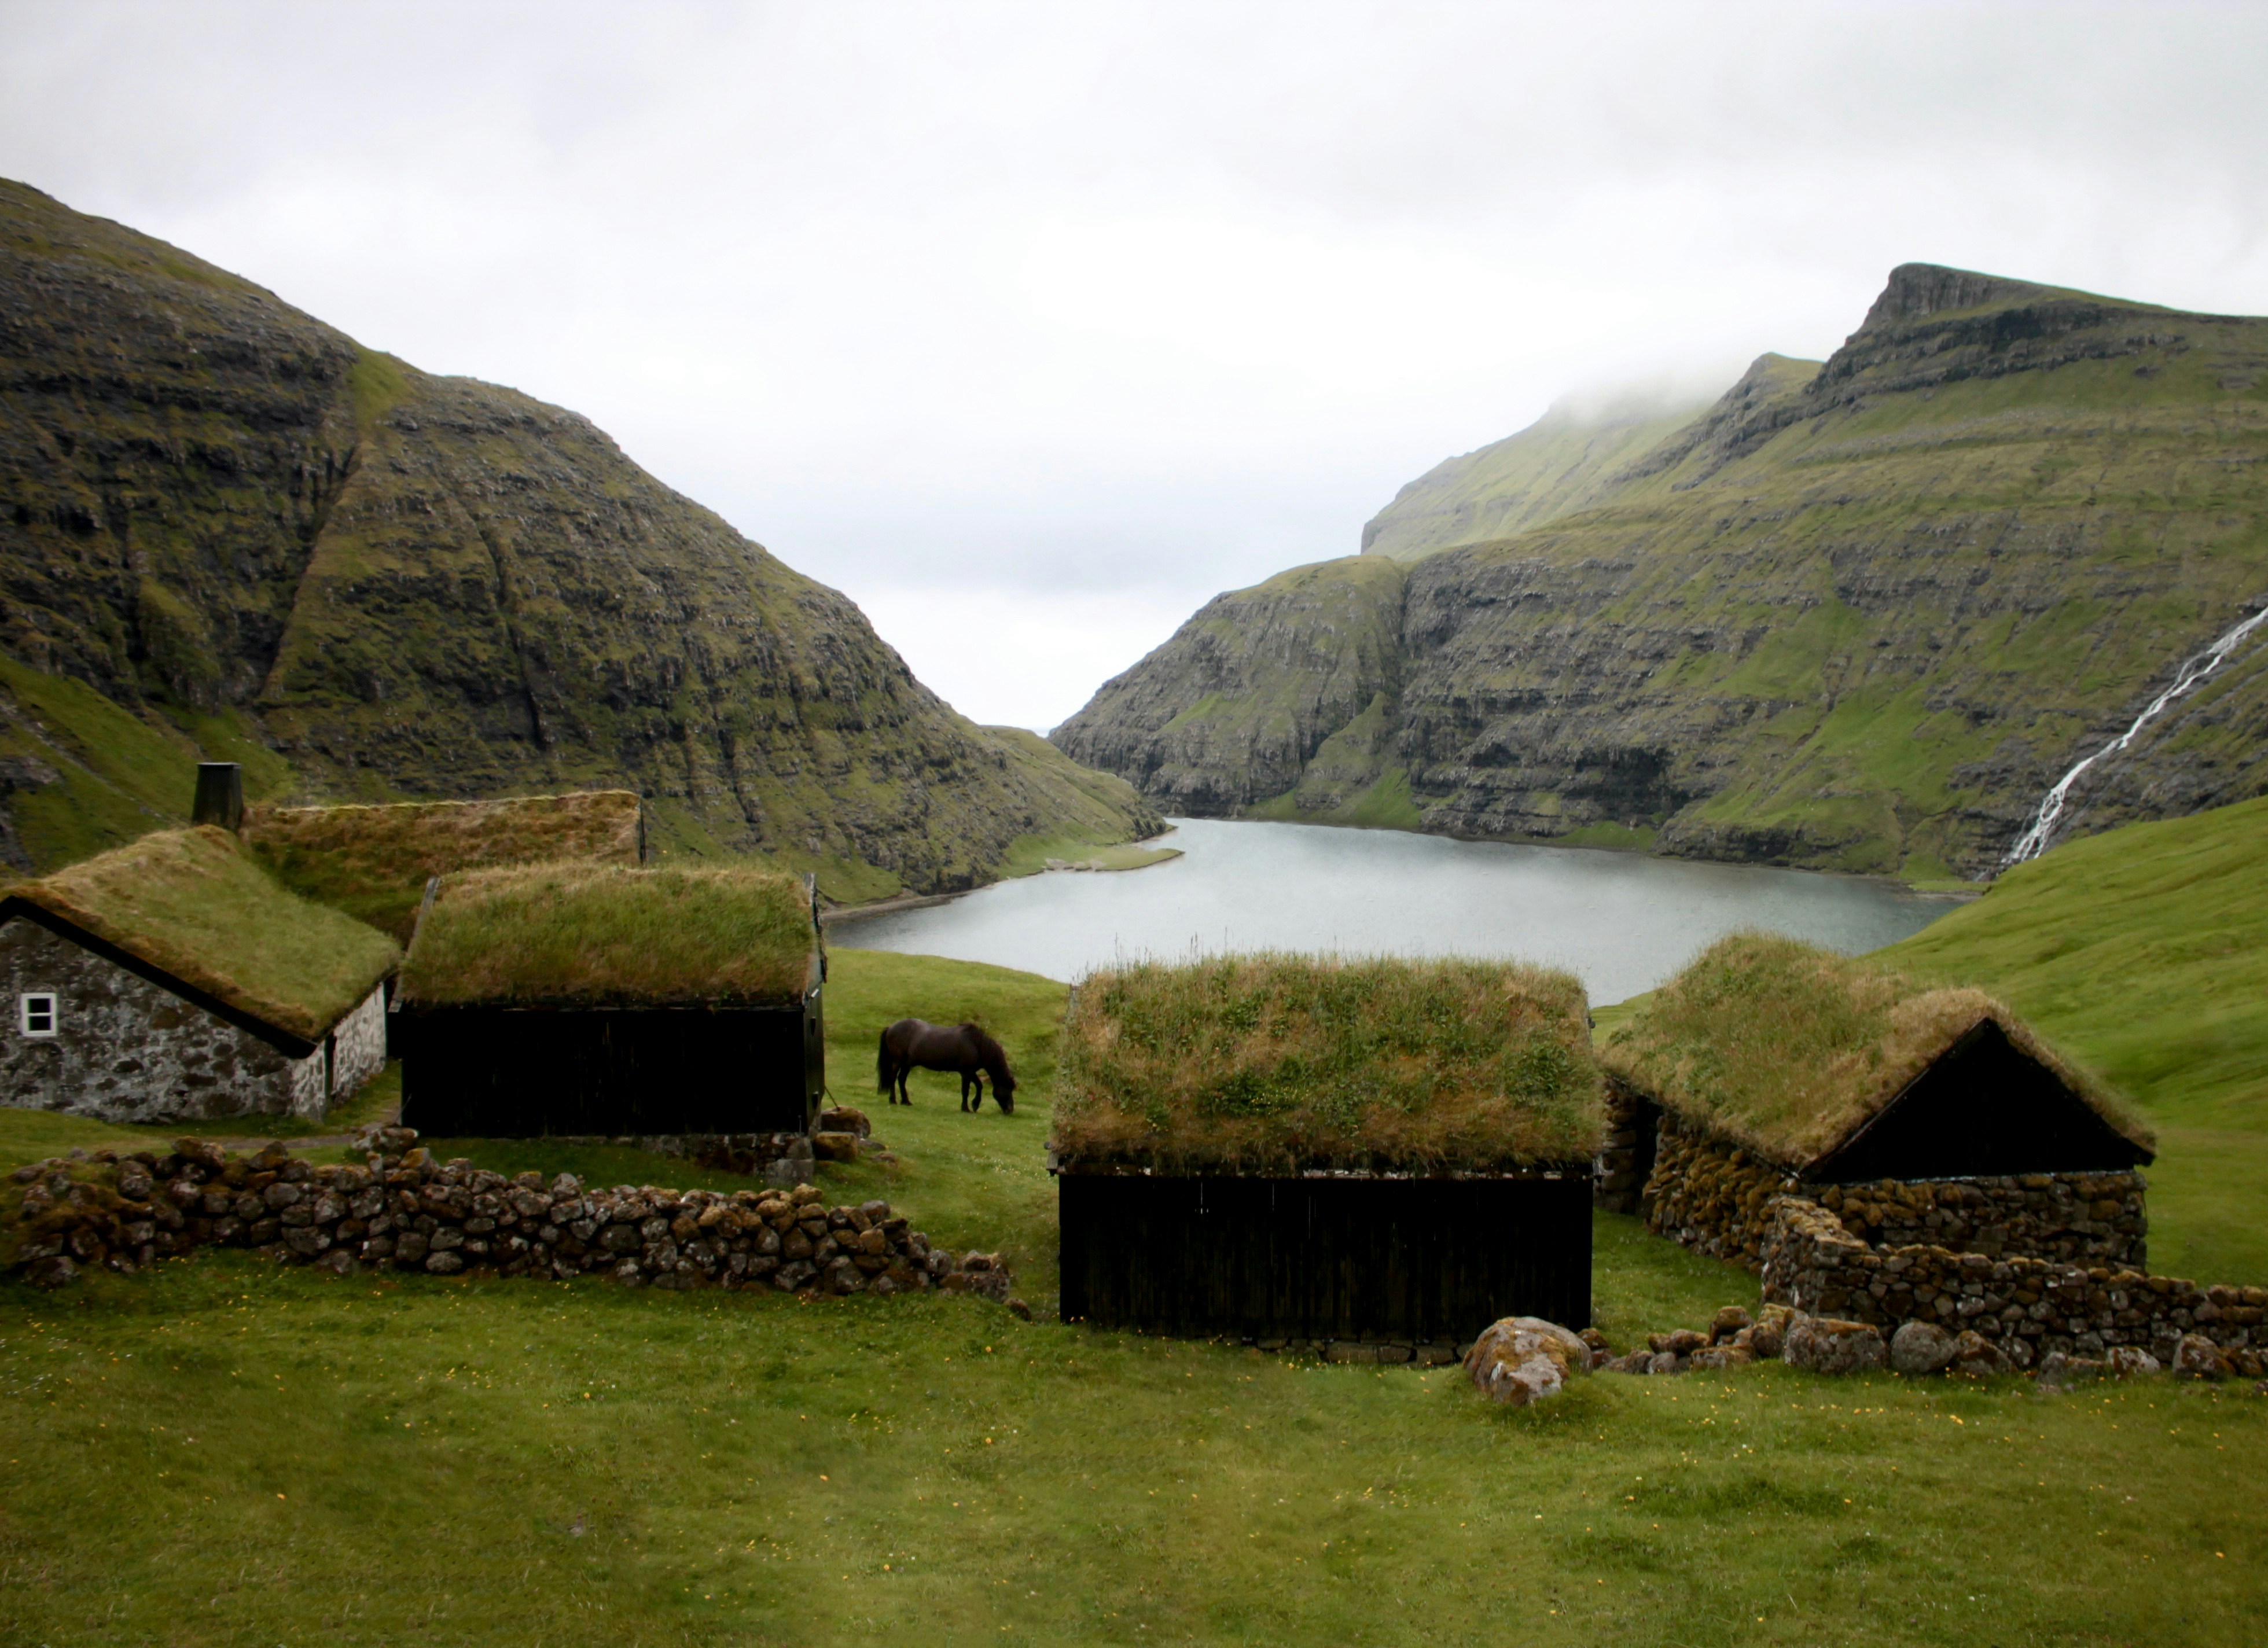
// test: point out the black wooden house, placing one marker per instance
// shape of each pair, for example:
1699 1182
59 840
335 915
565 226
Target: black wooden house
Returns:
588 1000
1285 1148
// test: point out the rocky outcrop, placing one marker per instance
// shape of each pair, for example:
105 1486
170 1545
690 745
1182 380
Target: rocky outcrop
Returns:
1857 618
227 527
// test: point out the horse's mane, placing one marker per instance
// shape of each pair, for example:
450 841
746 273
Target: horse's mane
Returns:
991 1051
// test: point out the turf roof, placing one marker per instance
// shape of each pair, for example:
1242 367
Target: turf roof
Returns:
1275 1063
600 934
373 862
1789 1048
193 903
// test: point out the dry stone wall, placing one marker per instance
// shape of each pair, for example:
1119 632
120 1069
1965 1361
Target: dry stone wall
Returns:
2031 1307
401 1210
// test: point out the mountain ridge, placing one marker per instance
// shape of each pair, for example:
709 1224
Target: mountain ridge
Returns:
1856 617
248 536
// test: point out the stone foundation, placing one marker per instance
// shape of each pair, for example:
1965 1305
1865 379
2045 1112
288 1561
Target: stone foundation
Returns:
2030 1306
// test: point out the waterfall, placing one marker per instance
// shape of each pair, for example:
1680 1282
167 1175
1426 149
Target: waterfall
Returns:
2194 670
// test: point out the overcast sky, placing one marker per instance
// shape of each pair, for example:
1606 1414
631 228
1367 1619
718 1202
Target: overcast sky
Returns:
1033 327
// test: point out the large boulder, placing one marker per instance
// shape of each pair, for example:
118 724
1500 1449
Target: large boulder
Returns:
1523 1360
1823 1344
1920 1346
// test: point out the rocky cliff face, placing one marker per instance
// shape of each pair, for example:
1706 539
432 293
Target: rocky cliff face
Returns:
226 528
1230 711
1861 617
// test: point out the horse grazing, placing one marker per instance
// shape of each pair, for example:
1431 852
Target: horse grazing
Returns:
910 1043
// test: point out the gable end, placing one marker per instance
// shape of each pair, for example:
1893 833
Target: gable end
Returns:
1983 1109
283 1041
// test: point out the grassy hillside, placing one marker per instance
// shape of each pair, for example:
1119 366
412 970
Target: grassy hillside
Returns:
277 1457
374 584
2144 952
1858 620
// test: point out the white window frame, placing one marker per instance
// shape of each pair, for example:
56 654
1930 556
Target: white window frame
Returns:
34 1001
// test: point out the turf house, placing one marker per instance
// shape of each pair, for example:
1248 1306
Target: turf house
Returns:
1918 1113
373 862
584 998
1286 1148
173 978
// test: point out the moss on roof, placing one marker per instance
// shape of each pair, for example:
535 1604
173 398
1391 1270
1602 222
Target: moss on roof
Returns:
607 934
1274 1064
193 903
373 862
1789 1048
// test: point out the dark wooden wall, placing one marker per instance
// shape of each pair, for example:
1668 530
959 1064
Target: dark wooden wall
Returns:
523 1072
1405 1258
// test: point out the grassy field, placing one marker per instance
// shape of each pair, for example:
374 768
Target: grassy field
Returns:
2144 952
223 1452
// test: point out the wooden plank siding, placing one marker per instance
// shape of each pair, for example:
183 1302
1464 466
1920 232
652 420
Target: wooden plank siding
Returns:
1315 1258
525 1073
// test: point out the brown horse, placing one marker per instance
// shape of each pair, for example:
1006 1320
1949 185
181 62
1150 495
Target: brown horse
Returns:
910 1043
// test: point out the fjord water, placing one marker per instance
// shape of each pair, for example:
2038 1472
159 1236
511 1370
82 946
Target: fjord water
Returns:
1621 921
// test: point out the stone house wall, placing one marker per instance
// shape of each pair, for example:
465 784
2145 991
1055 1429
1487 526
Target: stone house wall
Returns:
2083 1217
357 1048
1626 1150
1711 1194
125 1049
1718 1198
2030 1306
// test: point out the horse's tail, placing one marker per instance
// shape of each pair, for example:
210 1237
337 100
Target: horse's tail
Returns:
882 1064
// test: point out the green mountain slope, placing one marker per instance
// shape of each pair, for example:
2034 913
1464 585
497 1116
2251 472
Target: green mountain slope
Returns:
2144 951
1564 462
226 528
1231 710
1861 619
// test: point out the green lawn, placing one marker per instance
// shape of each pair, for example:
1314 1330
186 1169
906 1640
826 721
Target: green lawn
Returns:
225 1452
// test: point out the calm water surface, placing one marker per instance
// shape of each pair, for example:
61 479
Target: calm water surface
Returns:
1621 921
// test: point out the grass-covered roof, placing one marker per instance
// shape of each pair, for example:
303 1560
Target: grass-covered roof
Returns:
608 934
1276 1063
193 903
373 862
1789 1048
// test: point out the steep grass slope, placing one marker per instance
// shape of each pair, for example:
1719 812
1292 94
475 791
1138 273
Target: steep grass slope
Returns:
2144 952
1859 621
226 528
